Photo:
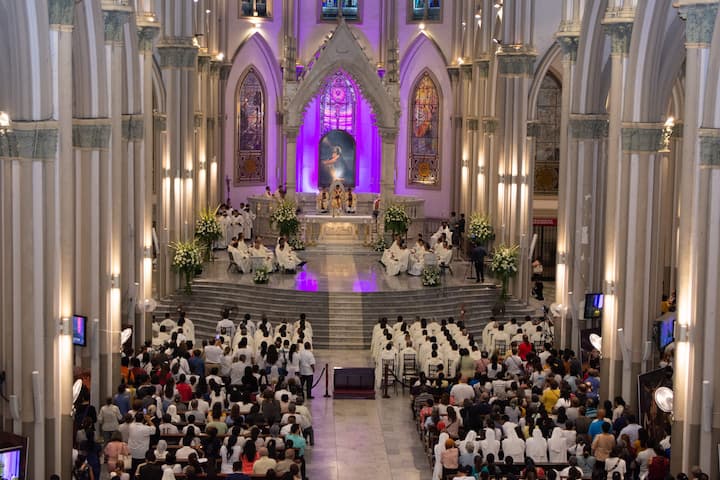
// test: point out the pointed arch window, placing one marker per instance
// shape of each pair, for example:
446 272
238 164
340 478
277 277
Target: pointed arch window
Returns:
424 161
338 104
254 8
250 130
547 137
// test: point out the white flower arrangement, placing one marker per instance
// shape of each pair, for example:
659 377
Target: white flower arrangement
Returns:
261 275
396 219
431 276
379 245
480 230
207 228
285 219
296 243
504 264
187 260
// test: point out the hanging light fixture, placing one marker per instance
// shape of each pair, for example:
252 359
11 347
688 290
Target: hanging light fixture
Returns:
663 397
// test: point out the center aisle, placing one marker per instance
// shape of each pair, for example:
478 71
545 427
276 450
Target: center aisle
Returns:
362 439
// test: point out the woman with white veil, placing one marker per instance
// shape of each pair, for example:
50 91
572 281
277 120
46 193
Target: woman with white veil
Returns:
536 447
439 449
513 446
557 446
490 444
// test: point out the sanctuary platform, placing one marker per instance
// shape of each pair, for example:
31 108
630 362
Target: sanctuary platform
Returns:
343 290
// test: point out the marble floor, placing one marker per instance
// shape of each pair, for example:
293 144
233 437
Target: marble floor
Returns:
363 439
339 269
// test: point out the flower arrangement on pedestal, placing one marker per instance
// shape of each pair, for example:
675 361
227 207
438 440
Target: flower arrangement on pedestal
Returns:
296 243
284 218
261 275
504 264
431 276
187 260
480 230
397 220
207 230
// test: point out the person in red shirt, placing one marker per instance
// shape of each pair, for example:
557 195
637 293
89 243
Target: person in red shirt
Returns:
185 390
524 348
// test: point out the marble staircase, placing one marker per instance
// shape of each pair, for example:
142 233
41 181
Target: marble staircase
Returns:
339 319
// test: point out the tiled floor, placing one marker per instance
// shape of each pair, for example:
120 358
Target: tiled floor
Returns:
339 269
363 439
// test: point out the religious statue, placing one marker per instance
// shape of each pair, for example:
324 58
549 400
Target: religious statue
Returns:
323 200
350 201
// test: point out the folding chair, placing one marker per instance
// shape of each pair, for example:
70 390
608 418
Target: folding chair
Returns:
409 368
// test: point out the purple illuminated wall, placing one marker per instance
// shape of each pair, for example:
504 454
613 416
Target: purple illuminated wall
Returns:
368 161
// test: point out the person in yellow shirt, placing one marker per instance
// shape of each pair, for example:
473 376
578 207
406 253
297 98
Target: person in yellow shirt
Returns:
550 395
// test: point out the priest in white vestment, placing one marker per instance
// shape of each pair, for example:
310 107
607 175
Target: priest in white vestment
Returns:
444 252
389 252
263 255
398 261
286 257
389 355
236 225
416 260
240 254
221 242
444 228
248 219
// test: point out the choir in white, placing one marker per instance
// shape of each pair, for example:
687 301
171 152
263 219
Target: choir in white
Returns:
398 258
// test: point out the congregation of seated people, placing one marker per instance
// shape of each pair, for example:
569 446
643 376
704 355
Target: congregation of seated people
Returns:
233 407
511 406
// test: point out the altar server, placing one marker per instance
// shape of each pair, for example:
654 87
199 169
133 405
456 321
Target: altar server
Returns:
350 201
248 219
444 228
266 256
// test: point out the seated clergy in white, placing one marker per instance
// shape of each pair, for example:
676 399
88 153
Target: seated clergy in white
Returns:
286 257
387 356
389 252
265 255
398 262
416 261
240 254
444 228
536 446
443 251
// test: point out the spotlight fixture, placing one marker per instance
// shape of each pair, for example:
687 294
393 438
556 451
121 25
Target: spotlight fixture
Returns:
664 397
596 341
421 26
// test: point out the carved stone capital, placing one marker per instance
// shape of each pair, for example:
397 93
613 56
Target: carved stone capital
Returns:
533 129
489 125
177 52
700 23
198 119
511 64
291 132
588 126
146 36
133 127
389 135
61 12
710 148
114 22
642 137
91 133
473 124
30 141
569 45
483 68
620 35
160 120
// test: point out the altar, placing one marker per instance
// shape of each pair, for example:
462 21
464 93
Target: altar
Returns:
338 230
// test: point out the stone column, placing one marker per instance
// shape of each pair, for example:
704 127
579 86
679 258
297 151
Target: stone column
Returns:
695 413
388 175
612 364
291 133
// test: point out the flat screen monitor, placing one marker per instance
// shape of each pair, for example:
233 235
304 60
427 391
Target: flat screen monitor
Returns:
79 330
594 305
666 331
12 463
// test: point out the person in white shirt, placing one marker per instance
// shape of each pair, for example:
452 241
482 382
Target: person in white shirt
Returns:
226 324
213 356
444 252
444 229
462 391
307 369
139 433
513 363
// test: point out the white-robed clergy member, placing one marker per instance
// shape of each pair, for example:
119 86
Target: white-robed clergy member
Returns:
513 446
287 259
389 355
389 252
416 262
221 242
258 250
398 261
443 251
248 219
236 224
240 254
350 201
536 446
444 228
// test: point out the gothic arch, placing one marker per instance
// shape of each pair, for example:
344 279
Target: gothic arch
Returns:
88 80
343 51
425 72
545 66
711 114
264 62
260 158
416 45
592 67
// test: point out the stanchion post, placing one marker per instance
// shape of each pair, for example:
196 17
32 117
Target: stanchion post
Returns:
327 381
385 387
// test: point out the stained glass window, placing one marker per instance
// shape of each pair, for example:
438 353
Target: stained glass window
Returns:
337 104
547 139
424 165
330 9
425 10
250 127
254 8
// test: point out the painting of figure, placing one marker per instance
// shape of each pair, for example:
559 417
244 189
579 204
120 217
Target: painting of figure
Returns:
337 159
